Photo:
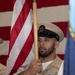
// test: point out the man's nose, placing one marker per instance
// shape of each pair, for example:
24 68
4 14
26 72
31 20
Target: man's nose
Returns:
42 43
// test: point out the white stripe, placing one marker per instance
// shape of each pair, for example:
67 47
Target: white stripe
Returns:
4 47
53 14
46 14
17 9
61 48
19 43
5 18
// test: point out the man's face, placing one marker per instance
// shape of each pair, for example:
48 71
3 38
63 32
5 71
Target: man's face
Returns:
45 46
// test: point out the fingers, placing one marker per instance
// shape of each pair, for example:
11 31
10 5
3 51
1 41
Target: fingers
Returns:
36 66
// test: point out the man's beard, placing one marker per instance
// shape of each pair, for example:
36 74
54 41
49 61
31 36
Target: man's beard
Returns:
46 52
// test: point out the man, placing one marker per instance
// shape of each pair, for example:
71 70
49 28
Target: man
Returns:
49 37
2 67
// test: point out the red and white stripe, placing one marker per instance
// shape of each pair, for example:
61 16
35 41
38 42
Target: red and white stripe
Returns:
21 40
48 11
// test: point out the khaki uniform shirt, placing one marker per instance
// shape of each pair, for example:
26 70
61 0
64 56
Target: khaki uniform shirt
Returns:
2 69
53 68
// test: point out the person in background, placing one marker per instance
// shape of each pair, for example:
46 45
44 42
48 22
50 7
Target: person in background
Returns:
2 67
49 38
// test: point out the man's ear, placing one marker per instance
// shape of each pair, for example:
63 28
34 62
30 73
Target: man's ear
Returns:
57 44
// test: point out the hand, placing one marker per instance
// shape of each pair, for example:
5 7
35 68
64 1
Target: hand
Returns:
35 67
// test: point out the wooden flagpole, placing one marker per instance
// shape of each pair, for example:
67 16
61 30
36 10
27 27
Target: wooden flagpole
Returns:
35 30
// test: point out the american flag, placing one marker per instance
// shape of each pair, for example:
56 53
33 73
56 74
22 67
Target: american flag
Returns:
55 11
21 40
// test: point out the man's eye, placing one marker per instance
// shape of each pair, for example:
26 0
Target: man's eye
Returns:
38 39
46 39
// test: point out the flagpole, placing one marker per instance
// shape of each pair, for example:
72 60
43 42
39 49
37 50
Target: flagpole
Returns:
35 29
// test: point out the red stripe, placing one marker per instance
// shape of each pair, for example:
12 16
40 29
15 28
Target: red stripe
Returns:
24 53
14 2
8 5
5 33
20 22
61 56
47 3
3 59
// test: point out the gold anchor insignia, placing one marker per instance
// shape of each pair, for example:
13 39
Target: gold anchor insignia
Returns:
41 29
